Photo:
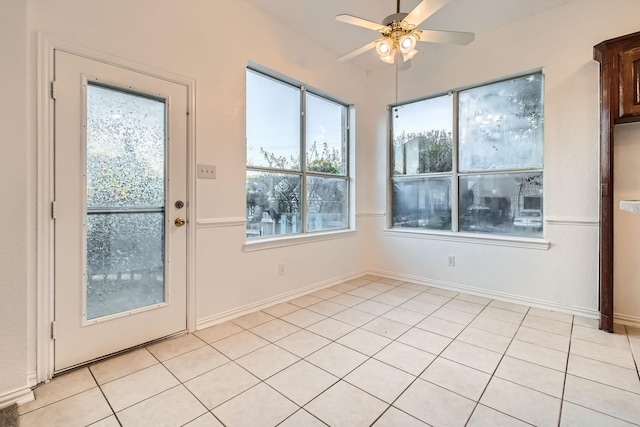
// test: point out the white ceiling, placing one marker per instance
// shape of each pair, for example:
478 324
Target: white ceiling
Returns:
316 19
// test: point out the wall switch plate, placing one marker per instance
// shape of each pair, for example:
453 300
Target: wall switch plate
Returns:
207 171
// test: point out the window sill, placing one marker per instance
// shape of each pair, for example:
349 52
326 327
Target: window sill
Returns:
491 240
299 239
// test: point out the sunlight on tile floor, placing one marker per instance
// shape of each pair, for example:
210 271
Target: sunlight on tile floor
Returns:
370 351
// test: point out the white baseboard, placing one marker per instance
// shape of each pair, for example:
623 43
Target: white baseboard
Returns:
259 305
585 312
626 319
32 378
17 396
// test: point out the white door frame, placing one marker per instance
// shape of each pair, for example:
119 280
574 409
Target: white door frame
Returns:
44 310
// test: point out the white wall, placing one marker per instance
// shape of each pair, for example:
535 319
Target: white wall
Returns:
560 42
14 231
626 274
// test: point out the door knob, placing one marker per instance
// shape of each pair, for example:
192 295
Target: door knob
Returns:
179 222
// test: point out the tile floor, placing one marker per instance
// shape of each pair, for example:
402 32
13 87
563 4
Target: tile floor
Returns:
370 351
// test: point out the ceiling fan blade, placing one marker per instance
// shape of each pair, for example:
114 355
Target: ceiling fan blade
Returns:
358 51
424 10
449 37
354 20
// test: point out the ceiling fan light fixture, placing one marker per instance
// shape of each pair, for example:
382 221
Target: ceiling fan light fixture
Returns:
384 47
407 56
390 58
408 43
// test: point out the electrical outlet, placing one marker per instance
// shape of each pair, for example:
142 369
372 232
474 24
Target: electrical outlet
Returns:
207 171
281 269
451 262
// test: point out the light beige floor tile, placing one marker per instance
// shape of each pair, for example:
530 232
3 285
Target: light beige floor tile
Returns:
415 286
467 307
457 378
331 329
519 308
472 356
405 292
530 375
386 327
364 341
343 405
240 344
522 403
474 298
363 280
454 316
60 388
425 340
542 338
124 364
302 381
325 294
258 406
587 322
175 407
395 418
141 385
539 355
443 292
503 315
343 287
435 405
552 315
498 327
218 332
578 416
267 361
327 308
303 318
196 362
111 421
337 359
274 330
354 317
434 299
402 315
390 299
206 420
173 347
548 325
221 384
347 300
302 419
281 309
379 379
393 282
600 337
379 286
441 326
602 398
305 301
486 417
419 307
612 355
364 293
615 376
484 339
405 357
79 410
373 307
252 320
302 343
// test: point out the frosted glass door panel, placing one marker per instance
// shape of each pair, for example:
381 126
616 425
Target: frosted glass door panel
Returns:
125 201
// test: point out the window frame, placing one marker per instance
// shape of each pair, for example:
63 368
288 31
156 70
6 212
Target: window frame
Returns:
455 234
265 242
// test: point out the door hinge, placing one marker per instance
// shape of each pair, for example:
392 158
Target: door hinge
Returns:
53 210
53 330
53 90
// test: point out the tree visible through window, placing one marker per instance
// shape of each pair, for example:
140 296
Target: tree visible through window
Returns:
494 182
297 181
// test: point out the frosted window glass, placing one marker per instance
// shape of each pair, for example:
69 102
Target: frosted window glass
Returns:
422 203
327 203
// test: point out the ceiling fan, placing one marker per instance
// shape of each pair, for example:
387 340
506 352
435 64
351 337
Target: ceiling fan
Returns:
400 33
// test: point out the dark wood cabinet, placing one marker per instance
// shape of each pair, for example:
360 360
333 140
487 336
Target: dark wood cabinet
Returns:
619 60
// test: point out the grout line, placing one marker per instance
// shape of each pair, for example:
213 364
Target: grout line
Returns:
113 412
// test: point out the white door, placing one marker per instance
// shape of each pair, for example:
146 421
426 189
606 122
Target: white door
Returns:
120 209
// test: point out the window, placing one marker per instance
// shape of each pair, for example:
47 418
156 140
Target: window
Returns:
297 159
471 160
